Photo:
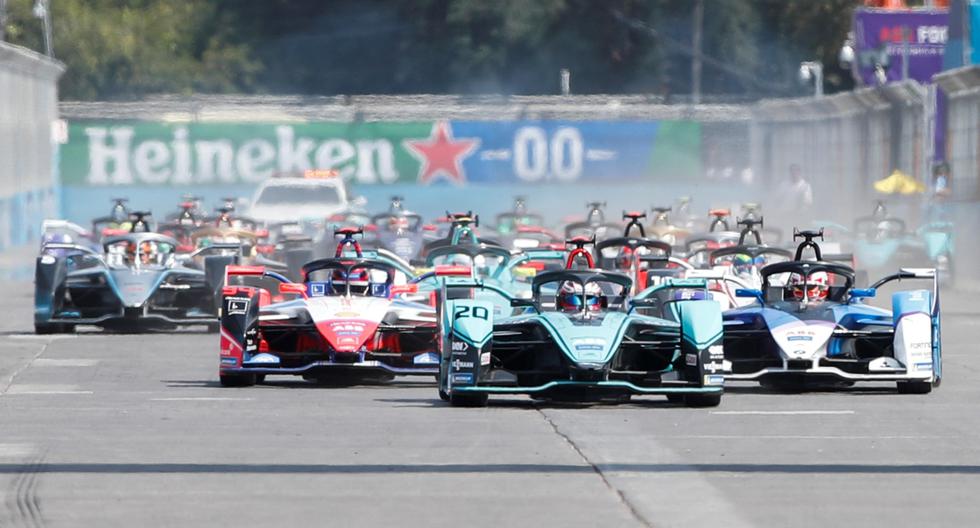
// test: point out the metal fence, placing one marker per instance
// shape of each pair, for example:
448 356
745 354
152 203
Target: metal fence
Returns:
962 87
845 142
28 113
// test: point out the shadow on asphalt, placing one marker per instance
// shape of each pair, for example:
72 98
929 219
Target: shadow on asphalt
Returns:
857 390
529 404
391 469
302 384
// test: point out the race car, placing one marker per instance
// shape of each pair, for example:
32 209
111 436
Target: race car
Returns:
116 222
738 267
508 222
595 224
581 338
400 231
810 327
135 282
664 230
882 240
462 230
348 322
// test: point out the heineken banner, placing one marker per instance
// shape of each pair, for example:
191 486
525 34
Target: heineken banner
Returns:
124 154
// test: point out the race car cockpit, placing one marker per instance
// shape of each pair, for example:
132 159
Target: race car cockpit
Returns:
349 277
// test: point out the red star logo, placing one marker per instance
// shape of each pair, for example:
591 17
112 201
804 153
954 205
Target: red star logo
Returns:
441 154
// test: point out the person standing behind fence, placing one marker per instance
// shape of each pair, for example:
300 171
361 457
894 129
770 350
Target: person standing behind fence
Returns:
794 197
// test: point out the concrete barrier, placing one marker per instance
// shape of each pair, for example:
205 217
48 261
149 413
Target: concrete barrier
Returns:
29 189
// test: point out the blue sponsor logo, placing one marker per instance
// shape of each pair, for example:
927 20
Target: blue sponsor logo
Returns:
318 289
800 338
589 347
463 378
229 361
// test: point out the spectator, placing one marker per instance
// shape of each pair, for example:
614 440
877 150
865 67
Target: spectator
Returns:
794 195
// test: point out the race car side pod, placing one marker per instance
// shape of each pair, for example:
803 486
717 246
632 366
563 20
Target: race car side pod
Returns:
466 330
917 336
239 317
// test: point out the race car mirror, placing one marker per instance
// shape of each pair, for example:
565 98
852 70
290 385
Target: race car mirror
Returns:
522 303
453 271
403 288
292 287
863 292
749 292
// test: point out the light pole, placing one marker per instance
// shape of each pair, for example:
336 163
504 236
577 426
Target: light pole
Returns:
43 11
812 71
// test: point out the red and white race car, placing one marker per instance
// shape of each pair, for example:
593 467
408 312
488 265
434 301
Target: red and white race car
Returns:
348 316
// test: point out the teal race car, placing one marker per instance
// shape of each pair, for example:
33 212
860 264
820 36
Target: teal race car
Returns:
581 337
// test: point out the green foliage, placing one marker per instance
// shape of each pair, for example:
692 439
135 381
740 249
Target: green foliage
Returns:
128 48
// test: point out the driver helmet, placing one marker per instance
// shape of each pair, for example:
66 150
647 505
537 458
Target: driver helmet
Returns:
882 230
624 260
743 264
358 280
147 253
397 224
570 297
817 286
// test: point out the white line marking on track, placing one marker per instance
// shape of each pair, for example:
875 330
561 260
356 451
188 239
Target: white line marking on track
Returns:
44 389
41 337
16 450
202 399
780 412
806 437
46 362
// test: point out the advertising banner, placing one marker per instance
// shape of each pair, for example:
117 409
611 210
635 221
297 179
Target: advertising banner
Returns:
123 154
890 37
975 31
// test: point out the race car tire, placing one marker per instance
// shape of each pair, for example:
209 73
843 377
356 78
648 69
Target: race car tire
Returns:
914 387
259 378
237 380
702 400
443 395
53 328
675 398
478 399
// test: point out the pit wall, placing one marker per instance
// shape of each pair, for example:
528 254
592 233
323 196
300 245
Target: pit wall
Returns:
29 189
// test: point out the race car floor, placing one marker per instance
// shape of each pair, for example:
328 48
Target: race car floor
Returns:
134 430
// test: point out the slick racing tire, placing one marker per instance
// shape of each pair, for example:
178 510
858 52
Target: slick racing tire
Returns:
443 395
478 399
237 380
53 328
914 387
675 398
702 400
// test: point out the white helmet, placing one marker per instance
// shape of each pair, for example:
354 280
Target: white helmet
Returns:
816 288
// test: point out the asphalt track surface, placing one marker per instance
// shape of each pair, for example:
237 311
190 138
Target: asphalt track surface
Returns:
133 430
